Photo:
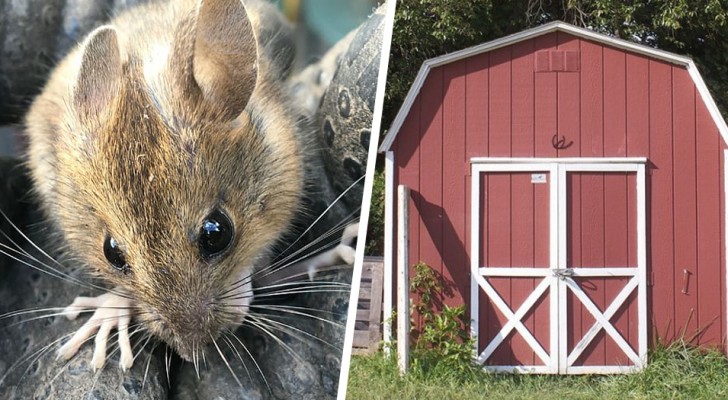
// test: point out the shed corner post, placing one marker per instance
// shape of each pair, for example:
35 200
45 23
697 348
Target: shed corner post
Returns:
389 260
403 306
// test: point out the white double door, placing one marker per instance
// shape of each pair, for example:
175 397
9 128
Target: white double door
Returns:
558 259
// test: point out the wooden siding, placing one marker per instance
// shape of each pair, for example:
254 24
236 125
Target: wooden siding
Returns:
617 105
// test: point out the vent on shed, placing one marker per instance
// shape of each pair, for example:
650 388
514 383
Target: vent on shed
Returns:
557 61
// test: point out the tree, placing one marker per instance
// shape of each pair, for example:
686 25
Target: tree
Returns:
427 28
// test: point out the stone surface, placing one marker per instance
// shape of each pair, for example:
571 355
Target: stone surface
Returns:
347 107
34 35
339 93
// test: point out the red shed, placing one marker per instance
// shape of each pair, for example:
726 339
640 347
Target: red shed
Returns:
570 188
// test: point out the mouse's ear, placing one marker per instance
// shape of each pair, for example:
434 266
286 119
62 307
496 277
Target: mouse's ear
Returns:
99 76
219 61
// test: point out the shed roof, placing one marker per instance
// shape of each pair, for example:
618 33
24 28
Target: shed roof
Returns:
542 30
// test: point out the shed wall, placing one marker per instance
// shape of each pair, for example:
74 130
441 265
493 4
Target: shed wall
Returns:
617 105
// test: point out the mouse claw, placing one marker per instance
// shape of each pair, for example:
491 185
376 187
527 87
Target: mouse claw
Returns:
127 357
79 305
112 310
102 336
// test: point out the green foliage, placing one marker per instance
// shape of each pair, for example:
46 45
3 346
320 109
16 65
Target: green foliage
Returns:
427 28
677 371
444 344
425 284
696 28
375 227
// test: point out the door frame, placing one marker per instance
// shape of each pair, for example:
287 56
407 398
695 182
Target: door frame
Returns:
557 359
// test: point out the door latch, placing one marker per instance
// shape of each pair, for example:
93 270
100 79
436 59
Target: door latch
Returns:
563 273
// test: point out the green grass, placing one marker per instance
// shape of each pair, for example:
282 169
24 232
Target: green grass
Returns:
675 372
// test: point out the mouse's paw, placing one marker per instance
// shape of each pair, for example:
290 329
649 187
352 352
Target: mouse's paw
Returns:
342 252
346 253
345 250
112 310
349 234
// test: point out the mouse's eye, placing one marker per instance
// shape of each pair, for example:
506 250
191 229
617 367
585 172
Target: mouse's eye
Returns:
216 234
115 255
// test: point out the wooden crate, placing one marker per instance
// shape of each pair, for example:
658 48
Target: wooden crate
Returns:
368 326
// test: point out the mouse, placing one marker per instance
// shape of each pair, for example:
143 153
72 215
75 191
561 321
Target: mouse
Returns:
166 151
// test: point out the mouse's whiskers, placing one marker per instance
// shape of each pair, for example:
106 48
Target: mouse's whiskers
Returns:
38 265
263 326
227 364
294 269
146 369
341 196
255 362
307 312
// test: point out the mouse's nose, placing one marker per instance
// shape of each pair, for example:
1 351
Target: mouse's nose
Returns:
194 318
186 324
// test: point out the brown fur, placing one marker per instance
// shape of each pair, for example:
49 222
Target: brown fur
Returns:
127 144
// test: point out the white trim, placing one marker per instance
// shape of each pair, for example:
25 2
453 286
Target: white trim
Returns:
583 272
708 99
642 263
584 161
638 274
514 167
561 294
519 369
474 257
579 370
515 271
555 300
543 370
558 278
542 30
606 370
478 281
388 244
602 322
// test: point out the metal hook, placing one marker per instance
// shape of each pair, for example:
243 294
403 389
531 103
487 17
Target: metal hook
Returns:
559 143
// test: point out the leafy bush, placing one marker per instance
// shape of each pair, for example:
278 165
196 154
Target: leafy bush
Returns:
443 345
375 228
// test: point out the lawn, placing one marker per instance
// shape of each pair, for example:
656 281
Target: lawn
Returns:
676 372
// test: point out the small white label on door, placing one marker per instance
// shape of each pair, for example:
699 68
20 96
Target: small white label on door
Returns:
538 178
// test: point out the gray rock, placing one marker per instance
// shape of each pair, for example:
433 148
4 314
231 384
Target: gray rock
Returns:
346 110
34 35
